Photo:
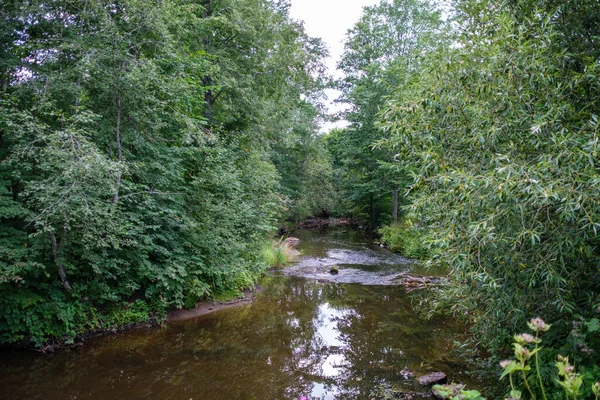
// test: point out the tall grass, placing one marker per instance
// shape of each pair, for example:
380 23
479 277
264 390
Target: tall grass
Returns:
277 254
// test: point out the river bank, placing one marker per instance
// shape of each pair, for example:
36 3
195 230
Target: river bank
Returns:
295 336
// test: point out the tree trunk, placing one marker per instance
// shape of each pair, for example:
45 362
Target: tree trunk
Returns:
395 205
372 208
208 99
207 80
61 269
119 146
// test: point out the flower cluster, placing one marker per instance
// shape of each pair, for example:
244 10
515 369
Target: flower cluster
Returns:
538 325
570 380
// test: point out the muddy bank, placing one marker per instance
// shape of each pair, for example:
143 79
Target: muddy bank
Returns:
207 307
313 223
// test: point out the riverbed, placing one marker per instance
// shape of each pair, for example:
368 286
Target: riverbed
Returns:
306 333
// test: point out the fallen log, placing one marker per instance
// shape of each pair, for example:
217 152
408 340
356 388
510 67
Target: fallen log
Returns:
420 281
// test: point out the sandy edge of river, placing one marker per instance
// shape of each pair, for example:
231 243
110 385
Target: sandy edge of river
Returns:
207 307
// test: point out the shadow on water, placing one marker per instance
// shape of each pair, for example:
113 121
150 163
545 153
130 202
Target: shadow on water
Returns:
298 337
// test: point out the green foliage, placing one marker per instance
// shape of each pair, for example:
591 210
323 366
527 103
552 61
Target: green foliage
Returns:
499 132
406 238
380 50
526 372
305 167
137 146
566 380
123 314
456 392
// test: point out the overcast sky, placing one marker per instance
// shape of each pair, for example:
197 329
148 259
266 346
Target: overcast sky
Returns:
329 20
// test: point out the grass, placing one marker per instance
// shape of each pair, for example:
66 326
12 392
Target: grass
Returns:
277 254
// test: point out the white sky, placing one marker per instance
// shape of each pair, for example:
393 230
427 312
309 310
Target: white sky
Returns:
330 20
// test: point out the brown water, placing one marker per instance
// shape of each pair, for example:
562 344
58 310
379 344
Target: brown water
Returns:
324 340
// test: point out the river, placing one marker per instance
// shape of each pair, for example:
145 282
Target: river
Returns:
306 333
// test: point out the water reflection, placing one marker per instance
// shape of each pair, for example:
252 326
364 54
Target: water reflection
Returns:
298 337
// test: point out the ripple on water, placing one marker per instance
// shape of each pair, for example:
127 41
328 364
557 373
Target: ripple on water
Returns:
357 263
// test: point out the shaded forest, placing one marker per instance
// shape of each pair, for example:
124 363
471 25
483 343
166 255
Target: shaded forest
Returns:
149 150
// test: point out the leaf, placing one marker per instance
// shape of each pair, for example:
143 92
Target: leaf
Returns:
593 325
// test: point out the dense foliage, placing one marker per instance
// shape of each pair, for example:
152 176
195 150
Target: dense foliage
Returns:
501 134
492 128
381 51
136 169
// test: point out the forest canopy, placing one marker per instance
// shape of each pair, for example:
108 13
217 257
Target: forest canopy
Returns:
138 154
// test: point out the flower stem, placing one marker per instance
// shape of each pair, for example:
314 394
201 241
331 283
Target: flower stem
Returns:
537 367
527 383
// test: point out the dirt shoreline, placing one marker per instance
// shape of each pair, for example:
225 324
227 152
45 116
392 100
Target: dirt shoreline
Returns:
313 223
201 308
207 307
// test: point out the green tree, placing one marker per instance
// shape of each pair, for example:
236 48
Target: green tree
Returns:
500 133
135 159
383 50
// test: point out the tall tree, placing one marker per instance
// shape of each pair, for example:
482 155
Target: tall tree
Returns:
501 133
382 51
135 155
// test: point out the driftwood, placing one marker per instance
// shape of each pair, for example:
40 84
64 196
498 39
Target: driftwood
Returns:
411 281
325 222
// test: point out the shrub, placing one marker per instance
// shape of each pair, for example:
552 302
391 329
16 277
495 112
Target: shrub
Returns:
405 238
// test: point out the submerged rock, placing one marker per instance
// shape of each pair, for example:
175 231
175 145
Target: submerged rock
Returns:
432 379
406 374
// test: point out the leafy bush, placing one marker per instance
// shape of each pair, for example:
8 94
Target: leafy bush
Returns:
405 238
500 133
525 372
456 392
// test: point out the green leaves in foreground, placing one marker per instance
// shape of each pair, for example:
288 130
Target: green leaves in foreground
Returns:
456 392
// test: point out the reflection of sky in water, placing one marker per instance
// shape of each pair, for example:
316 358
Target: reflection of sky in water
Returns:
321 391
327 330
333 365
326 341
327 325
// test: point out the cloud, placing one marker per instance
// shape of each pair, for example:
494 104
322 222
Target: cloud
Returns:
330 20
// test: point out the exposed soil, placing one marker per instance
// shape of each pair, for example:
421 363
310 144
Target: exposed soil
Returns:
207 307
325 222
202 308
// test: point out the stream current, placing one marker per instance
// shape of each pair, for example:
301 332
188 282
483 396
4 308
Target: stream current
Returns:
307 333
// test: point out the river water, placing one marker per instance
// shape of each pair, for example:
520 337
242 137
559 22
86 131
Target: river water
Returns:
307 333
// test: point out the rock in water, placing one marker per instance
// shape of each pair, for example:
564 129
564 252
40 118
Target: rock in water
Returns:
334 270
406 374
432 379
291 242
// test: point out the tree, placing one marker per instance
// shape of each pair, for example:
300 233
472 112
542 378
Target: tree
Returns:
383 50
135 163
500 134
